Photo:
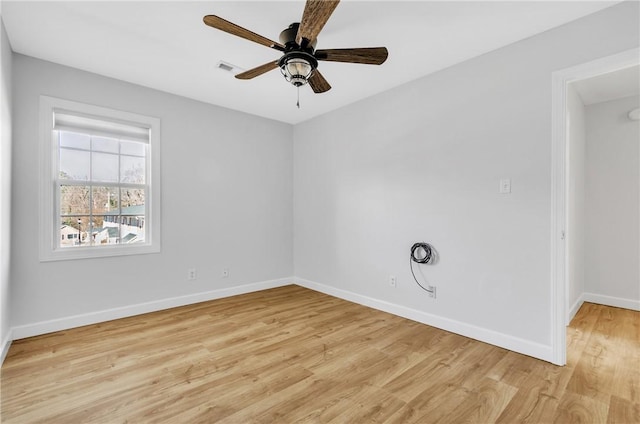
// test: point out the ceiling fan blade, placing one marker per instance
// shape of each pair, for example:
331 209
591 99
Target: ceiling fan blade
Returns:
257 71
366 55
318 83
316 14
231 28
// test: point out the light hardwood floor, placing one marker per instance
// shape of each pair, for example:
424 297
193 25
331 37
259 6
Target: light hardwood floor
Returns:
294 355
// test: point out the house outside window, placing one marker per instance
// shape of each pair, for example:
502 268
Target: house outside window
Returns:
100 180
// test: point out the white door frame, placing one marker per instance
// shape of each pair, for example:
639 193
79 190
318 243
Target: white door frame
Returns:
560 80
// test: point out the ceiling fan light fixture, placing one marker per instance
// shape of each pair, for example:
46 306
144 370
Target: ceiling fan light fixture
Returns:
296 71
297 67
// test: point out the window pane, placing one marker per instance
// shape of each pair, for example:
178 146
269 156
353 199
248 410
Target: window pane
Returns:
74 164
104 167
74 200
105 200
104 144
75 140
132 169
132 229
74 231
105 236
106 228
105 204
132 201
132 148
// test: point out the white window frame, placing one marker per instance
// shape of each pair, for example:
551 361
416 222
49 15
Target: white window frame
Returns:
50 249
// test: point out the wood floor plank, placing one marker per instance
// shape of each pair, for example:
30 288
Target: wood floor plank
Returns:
407 386
626 381
540 384
625 336
529 405
594 374
485 403
294 355
370 404
574 408
622 411
579 331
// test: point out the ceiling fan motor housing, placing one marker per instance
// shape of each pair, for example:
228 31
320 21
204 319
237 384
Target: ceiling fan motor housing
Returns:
288 39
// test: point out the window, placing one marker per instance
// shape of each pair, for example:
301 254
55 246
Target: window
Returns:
100 181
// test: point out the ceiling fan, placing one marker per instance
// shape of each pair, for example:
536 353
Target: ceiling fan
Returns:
299 62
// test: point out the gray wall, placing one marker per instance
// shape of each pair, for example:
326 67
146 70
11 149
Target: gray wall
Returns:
5 186
422 162
612 190
226 201
577 151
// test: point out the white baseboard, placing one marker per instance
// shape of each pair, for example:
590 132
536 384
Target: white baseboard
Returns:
6 344
515 344
618 302
574 309
43 327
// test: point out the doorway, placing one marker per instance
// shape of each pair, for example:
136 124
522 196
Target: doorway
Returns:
562 260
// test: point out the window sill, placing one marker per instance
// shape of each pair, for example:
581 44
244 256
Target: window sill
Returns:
73 253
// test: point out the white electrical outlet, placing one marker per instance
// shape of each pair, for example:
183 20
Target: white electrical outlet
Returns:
393 282
192 274
225 272
432 291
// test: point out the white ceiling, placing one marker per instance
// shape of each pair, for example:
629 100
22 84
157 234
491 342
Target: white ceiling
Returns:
610 86
165 45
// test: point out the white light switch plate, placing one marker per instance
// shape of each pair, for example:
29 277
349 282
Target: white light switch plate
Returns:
505 186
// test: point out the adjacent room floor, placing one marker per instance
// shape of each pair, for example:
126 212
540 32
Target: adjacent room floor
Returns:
294 355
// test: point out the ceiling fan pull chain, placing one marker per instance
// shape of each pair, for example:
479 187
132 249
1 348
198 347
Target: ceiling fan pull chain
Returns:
298 103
